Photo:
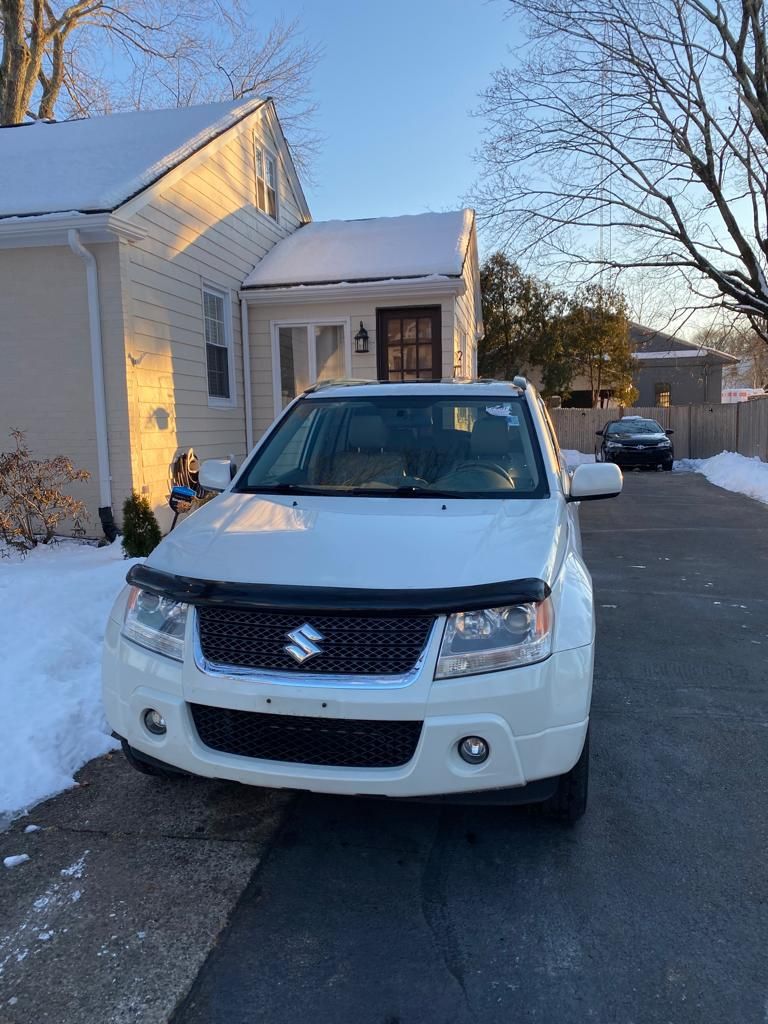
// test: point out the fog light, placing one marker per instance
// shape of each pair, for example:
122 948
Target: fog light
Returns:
154 722
473 750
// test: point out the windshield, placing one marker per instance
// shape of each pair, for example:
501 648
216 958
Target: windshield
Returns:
401 446
635 426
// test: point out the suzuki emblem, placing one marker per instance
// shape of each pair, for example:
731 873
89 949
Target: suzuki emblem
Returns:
303 643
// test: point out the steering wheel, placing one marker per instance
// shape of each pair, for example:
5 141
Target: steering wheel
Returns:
490 466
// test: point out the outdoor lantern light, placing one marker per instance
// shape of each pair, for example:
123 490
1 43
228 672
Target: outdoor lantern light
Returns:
361 339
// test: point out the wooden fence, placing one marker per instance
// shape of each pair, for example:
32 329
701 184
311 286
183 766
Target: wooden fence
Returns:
699 430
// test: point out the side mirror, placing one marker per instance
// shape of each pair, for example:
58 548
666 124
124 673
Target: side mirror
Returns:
599 433
595 480
215 474
668 432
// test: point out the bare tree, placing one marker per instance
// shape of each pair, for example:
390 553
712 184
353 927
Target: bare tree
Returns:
634 134
737 336
91 56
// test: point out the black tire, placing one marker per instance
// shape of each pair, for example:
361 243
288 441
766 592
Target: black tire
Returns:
668 467
148 765
569 802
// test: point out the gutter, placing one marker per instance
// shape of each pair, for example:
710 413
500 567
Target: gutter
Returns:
247 397
106 515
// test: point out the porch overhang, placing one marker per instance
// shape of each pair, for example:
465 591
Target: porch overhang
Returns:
402 287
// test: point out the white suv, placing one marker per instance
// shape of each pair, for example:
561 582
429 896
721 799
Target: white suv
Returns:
389 598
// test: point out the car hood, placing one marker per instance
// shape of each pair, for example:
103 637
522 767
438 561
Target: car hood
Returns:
386 543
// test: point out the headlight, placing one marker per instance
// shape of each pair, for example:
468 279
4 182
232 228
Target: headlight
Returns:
495 638
155 622
612 444
665 444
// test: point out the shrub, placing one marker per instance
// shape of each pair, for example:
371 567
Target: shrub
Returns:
32 502
141 532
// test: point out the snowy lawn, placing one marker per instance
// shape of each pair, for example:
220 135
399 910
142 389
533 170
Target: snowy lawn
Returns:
732 472
53 610
574 459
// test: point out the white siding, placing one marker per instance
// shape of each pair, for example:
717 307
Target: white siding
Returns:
45 385
468 312
202 228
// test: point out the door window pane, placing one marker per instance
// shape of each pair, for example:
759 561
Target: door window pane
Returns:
425 328
409 330
393 330
294 362
329 351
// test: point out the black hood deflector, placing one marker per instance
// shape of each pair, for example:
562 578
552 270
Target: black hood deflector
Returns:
354 601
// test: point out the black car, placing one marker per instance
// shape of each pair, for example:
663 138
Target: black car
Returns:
634 442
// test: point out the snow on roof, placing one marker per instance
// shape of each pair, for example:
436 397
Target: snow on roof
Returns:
381 248
688 353
97 163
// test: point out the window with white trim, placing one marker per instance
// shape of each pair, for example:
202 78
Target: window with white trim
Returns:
304 353
266 179
218 344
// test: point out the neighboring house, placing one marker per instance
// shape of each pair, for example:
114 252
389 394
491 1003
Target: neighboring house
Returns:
162 288
671 371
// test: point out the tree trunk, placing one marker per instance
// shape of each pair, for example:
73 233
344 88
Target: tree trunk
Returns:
16 61
22 58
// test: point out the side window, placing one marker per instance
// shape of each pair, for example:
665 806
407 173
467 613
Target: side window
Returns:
663 395
218 345
266 179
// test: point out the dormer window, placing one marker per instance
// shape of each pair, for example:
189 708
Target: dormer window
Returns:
266 180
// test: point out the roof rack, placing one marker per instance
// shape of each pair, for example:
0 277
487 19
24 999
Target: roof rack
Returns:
350 382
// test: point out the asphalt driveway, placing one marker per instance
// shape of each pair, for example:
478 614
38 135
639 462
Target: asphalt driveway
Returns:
652 909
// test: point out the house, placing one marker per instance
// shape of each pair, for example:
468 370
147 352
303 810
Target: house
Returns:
163 288
671 371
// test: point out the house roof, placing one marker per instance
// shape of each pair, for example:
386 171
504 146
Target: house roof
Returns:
425 245
95 164
648 344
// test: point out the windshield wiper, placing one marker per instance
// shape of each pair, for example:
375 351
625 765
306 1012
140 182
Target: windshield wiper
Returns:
406 491
280 488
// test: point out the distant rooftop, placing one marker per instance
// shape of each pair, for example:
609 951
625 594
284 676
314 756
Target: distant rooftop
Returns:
95 164
647 343
378 249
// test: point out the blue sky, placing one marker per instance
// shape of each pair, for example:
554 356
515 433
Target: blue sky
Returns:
395 88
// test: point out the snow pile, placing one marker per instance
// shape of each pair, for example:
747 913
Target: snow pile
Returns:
101 161
53 609
732 472
380 248
574 458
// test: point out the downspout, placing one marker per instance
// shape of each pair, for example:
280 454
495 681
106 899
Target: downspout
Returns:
106 515
248 398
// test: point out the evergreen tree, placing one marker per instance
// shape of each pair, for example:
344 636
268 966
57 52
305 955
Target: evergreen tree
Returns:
141 532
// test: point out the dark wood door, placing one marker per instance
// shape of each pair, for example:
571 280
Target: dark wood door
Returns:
409 344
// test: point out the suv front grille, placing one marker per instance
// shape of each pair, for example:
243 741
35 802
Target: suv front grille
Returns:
334 742
376 645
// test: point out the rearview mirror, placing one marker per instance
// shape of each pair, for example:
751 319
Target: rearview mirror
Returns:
215 474
595 480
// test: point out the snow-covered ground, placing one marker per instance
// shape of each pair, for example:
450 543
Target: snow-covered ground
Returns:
728 470
574 458
53 609
732 472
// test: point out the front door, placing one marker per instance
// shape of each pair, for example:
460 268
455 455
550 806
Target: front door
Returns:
409 345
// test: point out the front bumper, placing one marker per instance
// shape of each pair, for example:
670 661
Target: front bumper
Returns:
534 719
630 457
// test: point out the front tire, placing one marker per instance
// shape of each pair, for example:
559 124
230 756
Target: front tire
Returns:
569 802
667 467
149 765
